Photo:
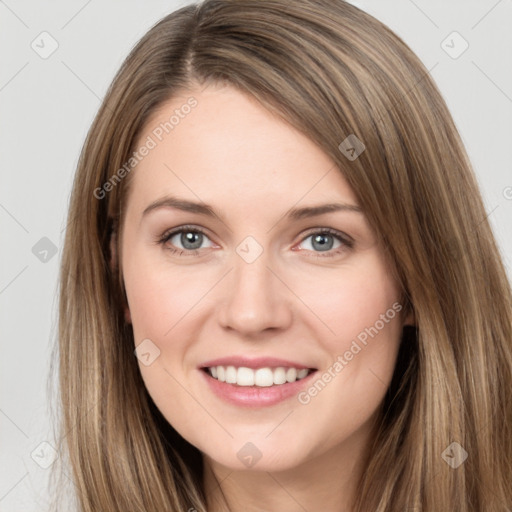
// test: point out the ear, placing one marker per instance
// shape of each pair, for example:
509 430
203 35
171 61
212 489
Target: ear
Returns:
114 266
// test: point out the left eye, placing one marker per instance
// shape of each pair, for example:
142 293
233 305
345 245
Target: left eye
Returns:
323 241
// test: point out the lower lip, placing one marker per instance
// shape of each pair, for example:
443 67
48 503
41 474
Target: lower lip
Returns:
254 396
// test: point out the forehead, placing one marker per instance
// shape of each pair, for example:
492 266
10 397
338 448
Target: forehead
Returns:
220 145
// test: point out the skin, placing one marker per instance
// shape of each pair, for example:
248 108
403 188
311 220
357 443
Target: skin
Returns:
291 302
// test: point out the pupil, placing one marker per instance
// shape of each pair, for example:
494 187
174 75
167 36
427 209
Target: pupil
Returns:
324 246
193 238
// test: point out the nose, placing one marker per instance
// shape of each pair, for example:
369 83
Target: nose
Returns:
256 298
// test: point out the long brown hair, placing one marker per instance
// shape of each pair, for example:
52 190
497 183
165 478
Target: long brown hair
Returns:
330 70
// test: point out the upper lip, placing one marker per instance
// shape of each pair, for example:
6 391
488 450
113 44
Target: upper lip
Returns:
254 363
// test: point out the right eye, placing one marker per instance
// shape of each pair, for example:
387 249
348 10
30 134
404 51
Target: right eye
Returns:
190 238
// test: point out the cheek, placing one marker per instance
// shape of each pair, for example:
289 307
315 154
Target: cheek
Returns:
159 297
165 302
161 302
351 301
361 334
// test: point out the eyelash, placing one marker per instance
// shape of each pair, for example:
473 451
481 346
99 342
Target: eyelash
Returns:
345 240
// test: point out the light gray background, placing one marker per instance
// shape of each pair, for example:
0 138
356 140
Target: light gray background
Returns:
48 105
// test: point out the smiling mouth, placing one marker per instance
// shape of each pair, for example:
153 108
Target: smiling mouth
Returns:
259 377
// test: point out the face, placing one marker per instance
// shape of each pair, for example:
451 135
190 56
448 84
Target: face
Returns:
229 270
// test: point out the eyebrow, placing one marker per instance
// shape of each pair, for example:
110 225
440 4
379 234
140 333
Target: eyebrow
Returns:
207 210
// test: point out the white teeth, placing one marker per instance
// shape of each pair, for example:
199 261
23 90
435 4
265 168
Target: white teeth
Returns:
231 375
279 376
302 373
245 377
291 375
262 377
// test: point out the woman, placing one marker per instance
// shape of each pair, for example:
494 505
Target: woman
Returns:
338 334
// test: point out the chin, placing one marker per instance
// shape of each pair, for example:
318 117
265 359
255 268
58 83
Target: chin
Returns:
257 456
